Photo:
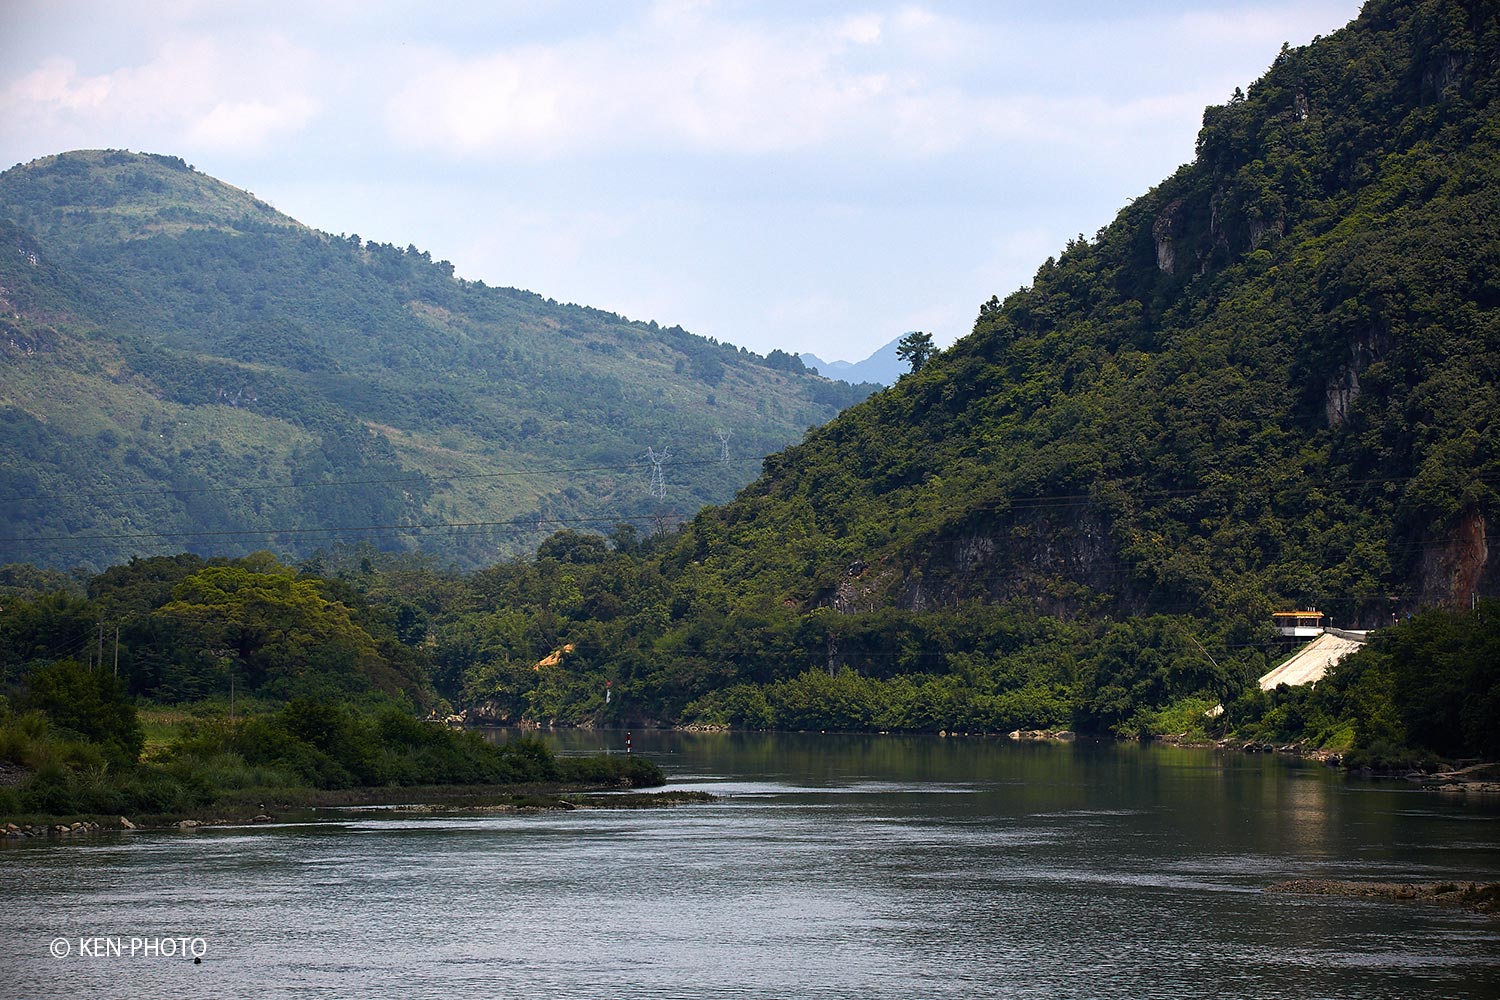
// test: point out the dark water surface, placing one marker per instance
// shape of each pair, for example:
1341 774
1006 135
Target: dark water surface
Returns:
832 867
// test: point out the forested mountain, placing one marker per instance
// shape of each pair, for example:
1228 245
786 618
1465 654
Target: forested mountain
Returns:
181 366
1270 381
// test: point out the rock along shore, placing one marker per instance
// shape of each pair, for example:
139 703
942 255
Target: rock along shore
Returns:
1482 897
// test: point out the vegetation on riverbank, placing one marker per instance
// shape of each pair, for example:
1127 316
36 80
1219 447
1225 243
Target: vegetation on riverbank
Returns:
1425 689
325 676
294 755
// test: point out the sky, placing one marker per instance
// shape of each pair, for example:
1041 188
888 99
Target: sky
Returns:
810 176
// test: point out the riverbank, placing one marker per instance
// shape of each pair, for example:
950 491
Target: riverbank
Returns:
304 752
316 805
1481 897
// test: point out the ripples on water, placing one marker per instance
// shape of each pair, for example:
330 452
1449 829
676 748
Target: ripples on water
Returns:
832 867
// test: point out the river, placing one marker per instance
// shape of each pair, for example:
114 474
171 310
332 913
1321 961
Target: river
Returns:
831 866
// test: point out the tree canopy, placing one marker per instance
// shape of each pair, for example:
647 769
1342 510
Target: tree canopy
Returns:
915 349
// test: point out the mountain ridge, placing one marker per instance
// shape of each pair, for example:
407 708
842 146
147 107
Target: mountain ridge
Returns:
147 302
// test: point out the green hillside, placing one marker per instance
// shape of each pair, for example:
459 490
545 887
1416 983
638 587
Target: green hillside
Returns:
1271 381
185 367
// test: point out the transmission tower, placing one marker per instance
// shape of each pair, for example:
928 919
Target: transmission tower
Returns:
658 487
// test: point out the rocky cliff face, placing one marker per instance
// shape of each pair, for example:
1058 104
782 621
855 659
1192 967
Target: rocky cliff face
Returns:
1343 388
1456 569
1061 562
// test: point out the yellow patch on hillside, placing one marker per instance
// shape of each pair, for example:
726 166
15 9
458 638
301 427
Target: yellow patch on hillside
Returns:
554 658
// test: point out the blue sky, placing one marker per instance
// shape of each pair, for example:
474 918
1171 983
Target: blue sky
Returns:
811 176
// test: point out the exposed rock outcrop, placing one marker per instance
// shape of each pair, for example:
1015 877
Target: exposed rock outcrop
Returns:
1451 573
1039 556
1481 896
1163 232
1343 388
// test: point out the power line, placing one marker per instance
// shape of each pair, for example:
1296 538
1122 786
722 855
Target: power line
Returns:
1027 501
418 480
430 525
1017 504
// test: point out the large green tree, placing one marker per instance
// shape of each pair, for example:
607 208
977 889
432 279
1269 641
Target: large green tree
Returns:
271 627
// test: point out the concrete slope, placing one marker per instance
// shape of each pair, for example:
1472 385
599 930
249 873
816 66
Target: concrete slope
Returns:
1311 662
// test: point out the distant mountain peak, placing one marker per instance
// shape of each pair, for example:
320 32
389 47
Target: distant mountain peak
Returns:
882 367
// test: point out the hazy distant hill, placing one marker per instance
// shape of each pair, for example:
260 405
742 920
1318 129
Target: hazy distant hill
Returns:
882 368
181 366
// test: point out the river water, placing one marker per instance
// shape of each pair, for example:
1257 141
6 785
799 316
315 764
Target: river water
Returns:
832 866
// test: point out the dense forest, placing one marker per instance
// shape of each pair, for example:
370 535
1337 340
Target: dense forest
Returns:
1269 382
183 367
314 675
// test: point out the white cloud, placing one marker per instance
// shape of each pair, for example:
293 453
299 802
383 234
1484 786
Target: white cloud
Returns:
675 159
54 87
688 78
862 29
476 104
249 124
680 78
196 91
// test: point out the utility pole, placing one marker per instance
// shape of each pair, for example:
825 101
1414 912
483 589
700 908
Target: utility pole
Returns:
99 659
117 650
